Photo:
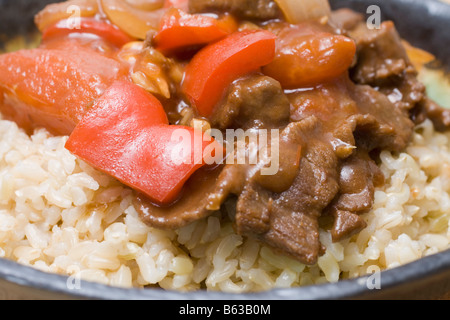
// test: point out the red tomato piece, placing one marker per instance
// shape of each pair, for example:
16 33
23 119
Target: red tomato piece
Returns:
306 57
54 88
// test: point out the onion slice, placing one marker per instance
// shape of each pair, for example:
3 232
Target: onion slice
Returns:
136 23
297 11
55 12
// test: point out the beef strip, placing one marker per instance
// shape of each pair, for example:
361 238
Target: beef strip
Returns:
288 221
359 175
245 9
354 112
358 120
380 53
255 101
199 200
431 110
379 123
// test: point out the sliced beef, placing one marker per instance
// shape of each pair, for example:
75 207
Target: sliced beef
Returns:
359 175
380 53
354 112
255 101
358 178
437 114
405 91
358 120
288 221
198 201
346 224
379 123
245 9
383 63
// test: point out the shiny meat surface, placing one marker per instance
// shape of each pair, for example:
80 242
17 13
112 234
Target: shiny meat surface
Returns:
256 101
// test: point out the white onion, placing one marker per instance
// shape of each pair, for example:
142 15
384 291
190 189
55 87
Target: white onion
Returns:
297 11
133 21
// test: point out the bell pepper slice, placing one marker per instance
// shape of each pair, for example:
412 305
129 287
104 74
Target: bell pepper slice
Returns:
54 88
216 66
180 30
126 135
105 30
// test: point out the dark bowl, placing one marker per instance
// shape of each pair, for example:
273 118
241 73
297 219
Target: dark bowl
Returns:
424 23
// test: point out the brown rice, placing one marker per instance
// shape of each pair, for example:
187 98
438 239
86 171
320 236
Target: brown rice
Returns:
59 215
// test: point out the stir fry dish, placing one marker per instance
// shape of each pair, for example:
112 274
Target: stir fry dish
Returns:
122 78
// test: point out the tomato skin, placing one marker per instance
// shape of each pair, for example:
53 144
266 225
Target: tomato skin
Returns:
105 30
126 134
307 57
216 66
180 30
54 88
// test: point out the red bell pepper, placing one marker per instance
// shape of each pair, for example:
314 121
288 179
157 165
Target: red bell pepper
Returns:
105 30
126 134
180 30
213 68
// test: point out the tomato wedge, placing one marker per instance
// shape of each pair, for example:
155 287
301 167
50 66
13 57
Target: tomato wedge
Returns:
54 88
126 135
105 30
307 57
179 30
213 68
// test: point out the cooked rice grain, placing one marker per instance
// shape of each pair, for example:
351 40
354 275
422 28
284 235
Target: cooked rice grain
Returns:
59 215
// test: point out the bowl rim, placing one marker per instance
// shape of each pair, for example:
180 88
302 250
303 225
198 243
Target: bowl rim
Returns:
417 271
437 264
